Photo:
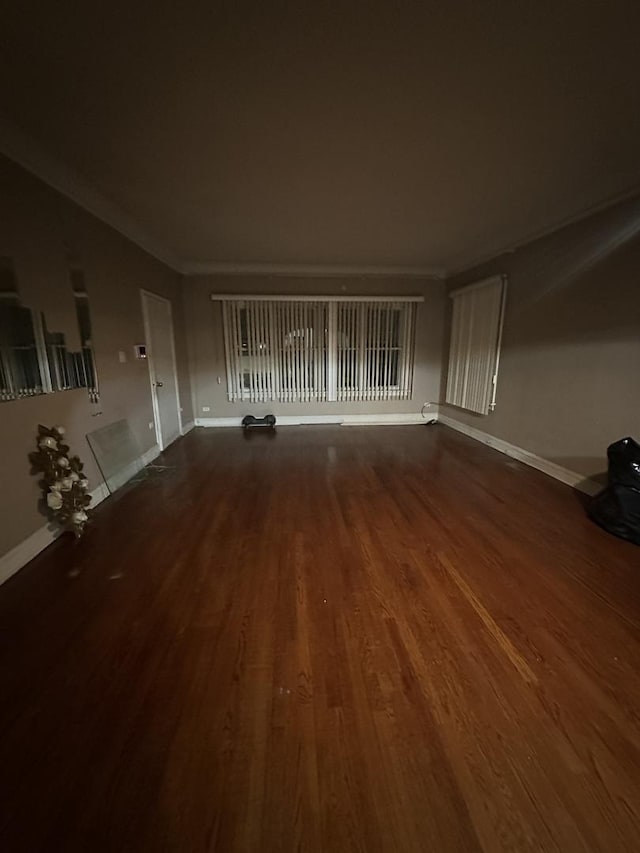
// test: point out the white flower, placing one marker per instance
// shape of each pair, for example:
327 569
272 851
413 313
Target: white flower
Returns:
79 517
66 484
74 476
54 500
57 486
62 461
48 441
60 430
84 483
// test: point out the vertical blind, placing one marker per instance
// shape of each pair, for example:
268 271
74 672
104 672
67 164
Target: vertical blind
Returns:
318 350
375 343
474 351
275 350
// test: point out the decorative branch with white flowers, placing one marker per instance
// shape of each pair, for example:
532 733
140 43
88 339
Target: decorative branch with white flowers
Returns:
64 485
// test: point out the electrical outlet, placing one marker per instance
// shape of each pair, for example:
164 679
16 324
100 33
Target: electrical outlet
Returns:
206 408
122 356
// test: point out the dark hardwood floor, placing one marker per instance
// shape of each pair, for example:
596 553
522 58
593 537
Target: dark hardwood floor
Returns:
335 639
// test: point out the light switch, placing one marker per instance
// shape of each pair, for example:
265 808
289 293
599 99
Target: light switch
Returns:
122 356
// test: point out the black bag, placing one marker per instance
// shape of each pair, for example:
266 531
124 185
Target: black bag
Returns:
624 463
617 508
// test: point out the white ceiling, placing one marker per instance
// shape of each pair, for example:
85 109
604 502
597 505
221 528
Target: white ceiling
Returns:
404 135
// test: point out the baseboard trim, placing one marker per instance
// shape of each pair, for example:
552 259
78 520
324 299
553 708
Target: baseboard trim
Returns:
570 478
147 457
99 494
384 420
25 551
338 419
218 422
117 481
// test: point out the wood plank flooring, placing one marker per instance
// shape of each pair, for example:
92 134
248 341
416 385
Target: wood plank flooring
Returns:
333 639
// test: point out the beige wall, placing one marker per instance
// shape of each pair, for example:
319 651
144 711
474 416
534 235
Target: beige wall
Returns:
569 379
41 231
206 345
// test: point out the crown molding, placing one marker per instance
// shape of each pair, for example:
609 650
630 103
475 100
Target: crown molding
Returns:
28 153
24 150
510 249
310 270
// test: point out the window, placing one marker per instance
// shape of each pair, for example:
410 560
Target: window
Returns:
375 350
474 352
318 349
34 360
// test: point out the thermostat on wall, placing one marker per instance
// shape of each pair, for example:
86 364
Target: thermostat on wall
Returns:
140 350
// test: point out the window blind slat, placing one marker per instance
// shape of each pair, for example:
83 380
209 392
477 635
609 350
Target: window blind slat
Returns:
264 351
302 345
315 348
405 332
376 344
411 347
367 349
294 351
343 350
255 356
260 377
300 349
251 317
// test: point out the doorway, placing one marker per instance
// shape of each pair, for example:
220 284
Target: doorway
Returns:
161 358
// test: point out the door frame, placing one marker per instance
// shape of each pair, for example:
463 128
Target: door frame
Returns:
144 295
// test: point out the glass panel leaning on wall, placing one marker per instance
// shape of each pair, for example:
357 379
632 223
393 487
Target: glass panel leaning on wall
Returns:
34 360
